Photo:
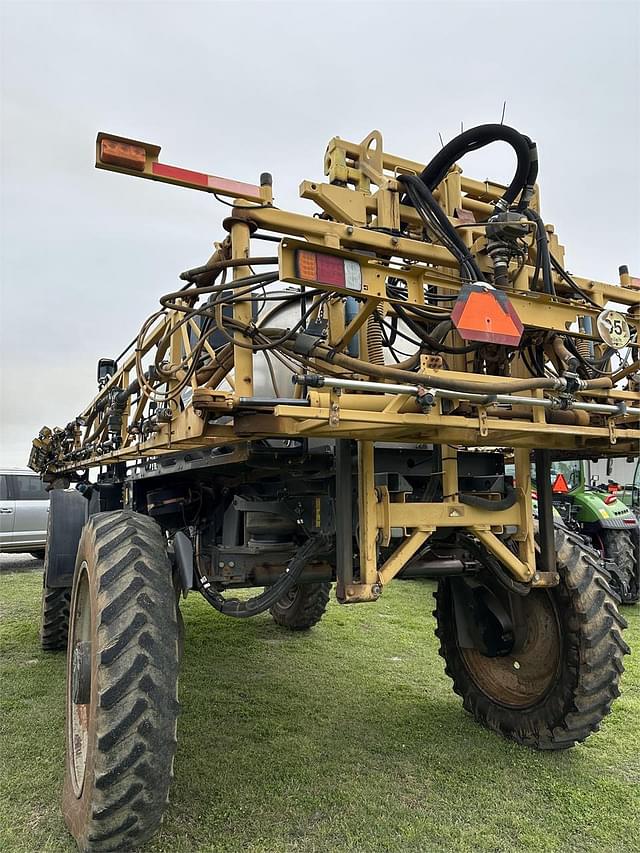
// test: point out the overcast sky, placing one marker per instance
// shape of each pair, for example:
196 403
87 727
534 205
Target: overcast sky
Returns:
239 88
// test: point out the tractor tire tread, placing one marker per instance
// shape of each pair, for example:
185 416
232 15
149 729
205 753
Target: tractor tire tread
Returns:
594 664
137 696
619 548
306 610
54 621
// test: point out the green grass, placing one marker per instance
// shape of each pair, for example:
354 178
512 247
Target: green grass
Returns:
347 738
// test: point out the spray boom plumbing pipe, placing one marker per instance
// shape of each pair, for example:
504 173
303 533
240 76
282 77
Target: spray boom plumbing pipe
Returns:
316 381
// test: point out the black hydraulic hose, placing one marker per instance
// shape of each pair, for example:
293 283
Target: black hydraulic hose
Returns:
215 268
486 503
478 137
585 362
493 565
567 278
314 546
543 256
248 283
419 194
433 341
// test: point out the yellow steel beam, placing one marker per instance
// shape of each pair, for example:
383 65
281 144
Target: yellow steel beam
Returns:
446 514
242 355
401 556
367 513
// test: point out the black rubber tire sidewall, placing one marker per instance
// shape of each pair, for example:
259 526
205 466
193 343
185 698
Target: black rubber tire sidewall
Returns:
592 650
150 737
305 609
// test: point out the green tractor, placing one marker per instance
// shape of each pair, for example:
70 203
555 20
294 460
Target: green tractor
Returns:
610 525
631 494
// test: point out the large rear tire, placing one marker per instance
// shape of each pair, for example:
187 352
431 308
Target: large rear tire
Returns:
303 607
559 685
122 680
618 548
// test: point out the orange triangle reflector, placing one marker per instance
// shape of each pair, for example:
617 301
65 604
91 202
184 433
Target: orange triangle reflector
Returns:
481 314
560 485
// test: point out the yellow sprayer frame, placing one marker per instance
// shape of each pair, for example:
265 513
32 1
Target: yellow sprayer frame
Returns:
361 214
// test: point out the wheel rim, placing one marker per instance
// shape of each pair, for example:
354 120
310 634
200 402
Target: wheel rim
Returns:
79 680
525 676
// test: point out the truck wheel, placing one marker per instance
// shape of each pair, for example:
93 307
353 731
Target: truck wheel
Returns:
564 677
122 680
54 618
618 547
303 607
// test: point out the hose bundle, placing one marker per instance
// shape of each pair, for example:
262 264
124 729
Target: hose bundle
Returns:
478 137
239 609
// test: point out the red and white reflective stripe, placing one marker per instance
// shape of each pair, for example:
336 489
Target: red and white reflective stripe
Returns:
210 182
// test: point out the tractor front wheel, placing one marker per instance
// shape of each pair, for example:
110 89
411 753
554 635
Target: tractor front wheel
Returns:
554 687
122 680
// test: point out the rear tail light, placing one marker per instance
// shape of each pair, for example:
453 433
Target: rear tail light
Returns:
610 499
328 269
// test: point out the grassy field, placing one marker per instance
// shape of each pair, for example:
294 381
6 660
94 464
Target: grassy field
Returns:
348 738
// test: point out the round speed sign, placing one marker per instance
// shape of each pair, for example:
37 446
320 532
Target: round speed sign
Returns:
613 329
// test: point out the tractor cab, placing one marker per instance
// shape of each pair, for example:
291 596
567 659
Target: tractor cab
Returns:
592 506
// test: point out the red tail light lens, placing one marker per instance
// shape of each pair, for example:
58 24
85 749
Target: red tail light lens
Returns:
328 269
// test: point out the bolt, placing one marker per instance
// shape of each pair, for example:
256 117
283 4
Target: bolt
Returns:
231 564
394 241
536 577
349 230
222 564
376 590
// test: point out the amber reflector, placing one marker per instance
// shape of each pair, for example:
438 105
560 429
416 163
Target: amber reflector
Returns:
122 154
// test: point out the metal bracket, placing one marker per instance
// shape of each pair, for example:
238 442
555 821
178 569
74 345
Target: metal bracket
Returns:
334 407
482 422
384 516
544 579
358 593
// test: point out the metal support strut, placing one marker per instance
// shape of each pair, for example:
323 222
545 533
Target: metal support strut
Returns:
542 460
344 518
